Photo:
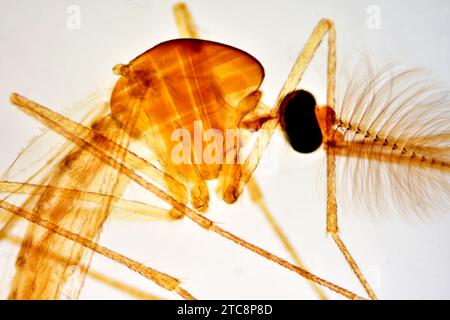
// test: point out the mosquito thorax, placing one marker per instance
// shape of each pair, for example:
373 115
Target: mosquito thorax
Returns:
299 122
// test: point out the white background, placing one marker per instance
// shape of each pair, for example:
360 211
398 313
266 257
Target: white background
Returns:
44 60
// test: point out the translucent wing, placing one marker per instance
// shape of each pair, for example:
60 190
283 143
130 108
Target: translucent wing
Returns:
121 208
74 169
36 161
393 141
57 176
45 149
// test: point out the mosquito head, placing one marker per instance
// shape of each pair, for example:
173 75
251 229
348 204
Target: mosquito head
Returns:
298 119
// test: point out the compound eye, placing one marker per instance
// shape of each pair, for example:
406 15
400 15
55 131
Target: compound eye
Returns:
299 122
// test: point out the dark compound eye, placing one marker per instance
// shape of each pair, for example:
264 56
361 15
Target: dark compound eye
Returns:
299 122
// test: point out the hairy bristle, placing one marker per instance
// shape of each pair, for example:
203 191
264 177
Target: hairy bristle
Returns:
396 146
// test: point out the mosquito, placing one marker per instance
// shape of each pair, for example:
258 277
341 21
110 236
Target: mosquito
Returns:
213 74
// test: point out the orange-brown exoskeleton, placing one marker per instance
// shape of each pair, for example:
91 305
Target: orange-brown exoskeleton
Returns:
195 104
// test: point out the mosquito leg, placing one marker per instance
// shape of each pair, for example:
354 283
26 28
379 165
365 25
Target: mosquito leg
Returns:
306 55
123 206
243 173
175 188
185 23
332 220
257 114
199 193
127 207
98 276
332 223
161 279
257 197
199 189
70 130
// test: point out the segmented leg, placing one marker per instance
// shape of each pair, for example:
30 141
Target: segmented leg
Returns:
244 173
71 130
301 64
332 223
38 277
96 275
253 121
185 23
257 197
163 280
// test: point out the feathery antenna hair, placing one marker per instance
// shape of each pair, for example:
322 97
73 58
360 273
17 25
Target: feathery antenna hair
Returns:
396 142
